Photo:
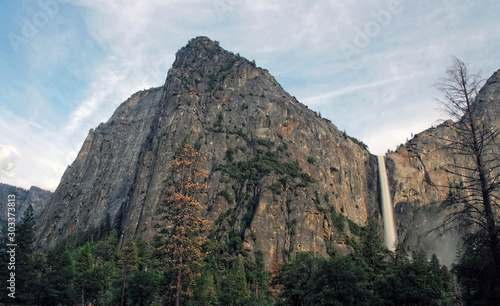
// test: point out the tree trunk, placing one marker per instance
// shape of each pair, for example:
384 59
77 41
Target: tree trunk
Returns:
123 287
492 235
488 210
83 296
178 285
486 195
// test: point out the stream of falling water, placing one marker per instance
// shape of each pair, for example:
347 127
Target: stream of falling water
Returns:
390 235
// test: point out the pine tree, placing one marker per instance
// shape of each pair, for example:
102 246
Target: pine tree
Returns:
209 291
144 254
83 268
55 284
127 262
401 257
372 251
340 282
259 277
237 284
181 212
112 245
295 277
142 287
475 274
25 263
440 279
105 227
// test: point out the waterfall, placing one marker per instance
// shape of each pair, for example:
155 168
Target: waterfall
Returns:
390 235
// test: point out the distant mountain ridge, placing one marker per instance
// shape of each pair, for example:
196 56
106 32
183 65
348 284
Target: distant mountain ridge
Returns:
34 196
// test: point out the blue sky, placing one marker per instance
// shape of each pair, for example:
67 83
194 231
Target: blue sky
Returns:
369 66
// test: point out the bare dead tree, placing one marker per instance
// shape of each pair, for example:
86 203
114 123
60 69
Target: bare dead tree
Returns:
476 159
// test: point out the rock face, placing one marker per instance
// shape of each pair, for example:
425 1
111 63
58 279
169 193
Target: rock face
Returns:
420 183
35 196
238 116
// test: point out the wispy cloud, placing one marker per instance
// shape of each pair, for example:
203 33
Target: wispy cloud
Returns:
102 90
90 56
39 155
353 88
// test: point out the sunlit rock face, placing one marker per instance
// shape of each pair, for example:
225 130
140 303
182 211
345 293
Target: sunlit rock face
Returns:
237 115
420 184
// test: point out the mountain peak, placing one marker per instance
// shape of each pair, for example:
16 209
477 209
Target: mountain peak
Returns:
202 66
202 40
494 78
198 49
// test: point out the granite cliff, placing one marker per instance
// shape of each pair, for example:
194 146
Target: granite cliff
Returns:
279 174
277 170
420 183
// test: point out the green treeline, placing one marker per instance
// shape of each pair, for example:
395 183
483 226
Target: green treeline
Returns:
93 268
